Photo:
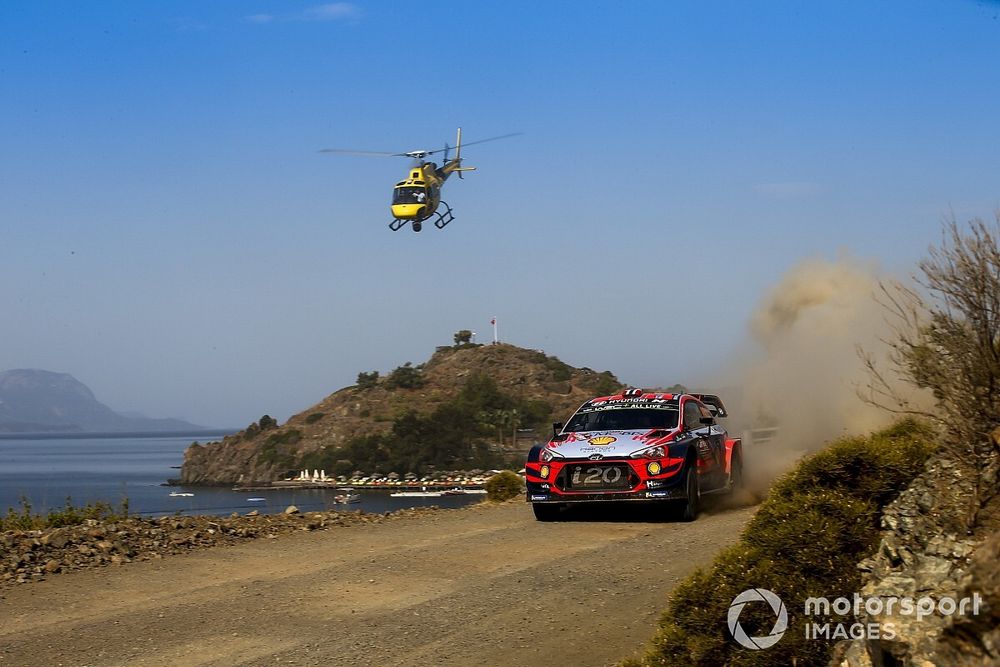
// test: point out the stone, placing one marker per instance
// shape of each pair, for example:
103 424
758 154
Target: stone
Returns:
291 509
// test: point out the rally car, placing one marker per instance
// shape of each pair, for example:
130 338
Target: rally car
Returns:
636 446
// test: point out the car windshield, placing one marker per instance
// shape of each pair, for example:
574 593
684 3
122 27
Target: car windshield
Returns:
622 418
408 195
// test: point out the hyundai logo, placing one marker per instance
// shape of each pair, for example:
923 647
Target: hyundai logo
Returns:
596 457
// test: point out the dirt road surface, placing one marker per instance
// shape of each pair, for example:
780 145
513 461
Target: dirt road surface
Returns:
485 585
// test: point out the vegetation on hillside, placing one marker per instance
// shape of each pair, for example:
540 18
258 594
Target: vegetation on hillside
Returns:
455 435
805 540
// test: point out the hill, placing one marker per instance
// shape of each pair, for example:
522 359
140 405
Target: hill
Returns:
38 401
468 406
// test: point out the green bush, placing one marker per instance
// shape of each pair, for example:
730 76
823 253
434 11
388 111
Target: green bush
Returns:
806 539
315 417
606 384
277 449
504 486
406 376
68 515
561 371
367 380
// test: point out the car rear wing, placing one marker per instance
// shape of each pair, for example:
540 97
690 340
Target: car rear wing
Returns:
714 404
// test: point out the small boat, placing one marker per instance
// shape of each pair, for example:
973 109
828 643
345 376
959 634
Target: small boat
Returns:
178 494
347 498
256 500
463 492
417 494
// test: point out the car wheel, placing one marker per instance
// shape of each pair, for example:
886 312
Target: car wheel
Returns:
692 489
545 512
735 475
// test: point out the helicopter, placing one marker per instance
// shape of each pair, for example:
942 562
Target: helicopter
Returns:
417 198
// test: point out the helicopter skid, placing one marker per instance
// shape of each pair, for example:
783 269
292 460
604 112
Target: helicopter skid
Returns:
441 222
444 218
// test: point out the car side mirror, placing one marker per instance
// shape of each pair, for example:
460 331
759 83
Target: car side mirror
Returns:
556 427
708 421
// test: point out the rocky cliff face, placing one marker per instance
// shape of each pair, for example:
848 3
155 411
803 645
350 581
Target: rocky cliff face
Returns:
356 411
939 540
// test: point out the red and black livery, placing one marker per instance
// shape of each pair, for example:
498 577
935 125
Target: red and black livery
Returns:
636 446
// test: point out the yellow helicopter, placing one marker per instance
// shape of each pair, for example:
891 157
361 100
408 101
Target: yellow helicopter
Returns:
418 196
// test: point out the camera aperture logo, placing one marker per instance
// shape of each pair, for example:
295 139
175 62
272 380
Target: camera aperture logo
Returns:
757 595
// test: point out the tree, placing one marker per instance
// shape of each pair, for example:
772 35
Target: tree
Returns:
406 376
367 380
946 337
463 337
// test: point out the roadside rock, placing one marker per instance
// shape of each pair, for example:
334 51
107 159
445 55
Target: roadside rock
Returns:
939 541
32 555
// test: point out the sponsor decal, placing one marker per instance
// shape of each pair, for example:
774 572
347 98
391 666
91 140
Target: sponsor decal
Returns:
602 440
541 497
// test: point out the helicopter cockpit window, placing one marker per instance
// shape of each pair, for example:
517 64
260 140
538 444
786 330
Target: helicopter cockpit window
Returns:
409 196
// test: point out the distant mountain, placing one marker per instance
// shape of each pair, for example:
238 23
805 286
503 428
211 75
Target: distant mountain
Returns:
36 401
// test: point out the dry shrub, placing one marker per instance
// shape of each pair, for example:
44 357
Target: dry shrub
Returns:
946 337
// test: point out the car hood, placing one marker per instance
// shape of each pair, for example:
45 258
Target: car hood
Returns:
609 444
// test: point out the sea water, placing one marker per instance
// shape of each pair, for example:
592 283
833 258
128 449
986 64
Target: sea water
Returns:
46 471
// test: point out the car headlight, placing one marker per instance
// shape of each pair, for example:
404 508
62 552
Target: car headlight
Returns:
549 454
657 452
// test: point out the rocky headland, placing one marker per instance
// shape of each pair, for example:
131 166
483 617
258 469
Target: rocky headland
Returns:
266 451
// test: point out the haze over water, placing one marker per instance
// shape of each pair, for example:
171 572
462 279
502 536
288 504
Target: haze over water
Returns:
48 470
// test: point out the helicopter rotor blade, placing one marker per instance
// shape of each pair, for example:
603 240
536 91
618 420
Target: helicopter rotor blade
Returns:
480 141
411 154
483 141
347 151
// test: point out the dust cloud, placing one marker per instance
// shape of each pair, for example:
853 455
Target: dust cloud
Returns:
801 372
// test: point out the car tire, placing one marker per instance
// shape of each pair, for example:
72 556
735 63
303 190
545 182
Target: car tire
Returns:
545 512
735 475
692 489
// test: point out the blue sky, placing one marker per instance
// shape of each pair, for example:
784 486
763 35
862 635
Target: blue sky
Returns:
173 238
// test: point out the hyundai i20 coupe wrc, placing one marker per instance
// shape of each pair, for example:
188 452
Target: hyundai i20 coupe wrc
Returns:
636 446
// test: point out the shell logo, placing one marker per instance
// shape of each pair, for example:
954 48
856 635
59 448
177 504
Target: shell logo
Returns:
602 440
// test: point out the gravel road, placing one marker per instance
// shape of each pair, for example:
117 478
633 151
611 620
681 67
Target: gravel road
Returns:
485 585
